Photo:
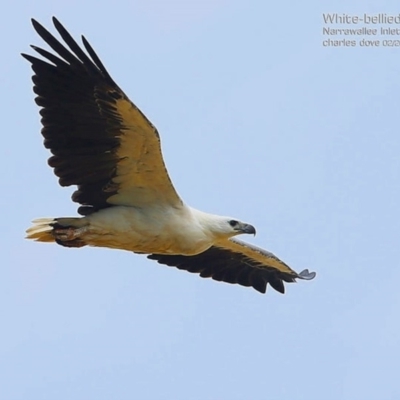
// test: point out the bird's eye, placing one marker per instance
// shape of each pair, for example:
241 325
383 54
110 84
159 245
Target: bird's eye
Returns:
233 223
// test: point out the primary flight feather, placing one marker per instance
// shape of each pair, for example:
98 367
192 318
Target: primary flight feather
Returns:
102 143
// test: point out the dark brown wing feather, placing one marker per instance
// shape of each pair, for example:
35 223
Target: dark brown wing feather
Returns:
252 267
100 141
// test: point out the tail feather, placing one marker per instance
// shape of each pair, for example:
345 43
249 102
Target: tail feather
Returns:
48 229
41 230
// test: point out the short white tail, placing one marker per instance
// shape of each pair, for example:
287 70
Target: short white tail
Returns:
41 230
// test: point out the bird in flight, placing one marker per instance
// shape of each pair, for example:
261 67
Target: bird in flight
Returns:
103 144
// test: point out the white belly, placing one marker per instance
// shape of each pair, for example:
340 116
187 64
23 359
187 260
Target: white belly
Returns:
153 230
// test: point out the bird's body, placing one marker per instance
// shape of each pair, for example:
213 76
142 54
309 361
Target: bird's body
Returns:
181 230
174 230
102 143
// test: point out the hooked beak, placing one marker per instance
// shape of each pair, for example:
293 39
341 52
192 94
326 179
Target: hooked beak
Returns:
247 228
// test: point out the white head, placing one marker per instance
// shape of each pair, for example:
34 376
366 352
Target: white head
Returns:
223 227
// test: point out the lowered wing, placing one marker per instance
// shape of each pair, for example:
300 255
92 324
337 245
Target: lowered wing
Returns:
234 261
99 139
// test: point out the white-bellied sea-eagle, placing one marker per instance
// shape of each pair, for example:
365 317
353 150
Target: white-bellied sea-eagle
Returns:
102 143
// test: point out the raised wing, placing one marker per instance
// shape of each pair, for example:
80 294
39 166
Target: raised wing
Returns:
234 261
100 140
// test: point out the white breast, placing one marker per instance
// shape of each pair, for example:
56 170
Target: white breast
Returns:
161 230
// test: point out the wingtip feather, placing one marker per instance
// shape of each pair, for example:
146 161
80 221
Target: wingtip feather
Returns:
307 275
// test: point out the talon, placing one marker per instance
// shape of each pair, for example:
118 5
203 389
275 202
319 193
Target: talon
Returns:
66 234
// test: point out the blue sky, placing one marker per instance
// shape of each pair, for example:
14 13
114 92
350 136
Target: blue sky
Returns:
259 121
